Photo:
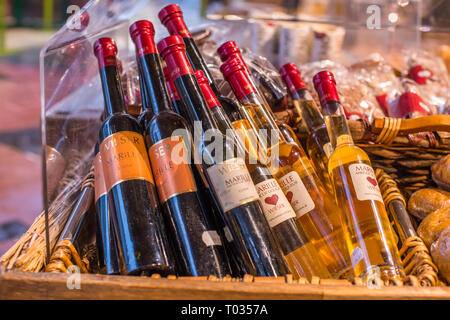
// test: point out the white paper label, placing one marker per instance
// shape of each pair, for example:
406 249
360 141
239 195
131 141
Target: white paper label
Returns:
365 182
356 256
232 183
211 238
296 193
275 204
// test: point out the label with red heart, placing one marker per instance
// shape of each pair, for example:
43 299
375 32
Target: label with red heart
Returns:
275 205
365 182
296 193
372 181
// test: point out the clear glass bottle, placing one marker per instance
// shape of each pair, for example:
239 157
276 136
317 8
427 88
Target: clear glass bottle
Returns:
316 211
370 239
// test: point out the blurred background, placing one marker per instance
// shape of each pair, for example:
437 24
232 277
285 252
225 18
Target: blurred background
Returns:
361 27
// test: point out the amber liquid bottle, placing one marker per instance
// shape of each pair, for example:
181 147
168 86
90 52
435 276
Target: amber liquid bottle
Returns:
318 144
300 253
370 239
225 173
316 211
128 177
196 244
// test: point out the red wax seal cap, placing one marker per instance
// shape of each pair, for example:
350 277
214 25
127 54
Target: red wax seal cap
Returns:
105 50
323 76
142 33
231 66
171 17
325 86
227 49
235 73
170 44
170 11
291 75
172 50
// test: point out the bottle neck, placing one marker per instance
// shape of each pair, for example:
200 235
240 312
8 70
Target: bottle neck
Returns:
308 110
255 108
192 98
336 122
154 86
112 90
198 63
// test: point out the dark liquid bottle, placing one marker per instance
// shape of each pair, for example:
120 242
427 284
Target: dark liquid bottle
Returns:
128 177
227 175
107 252
207 200
281 217
196 244
171 17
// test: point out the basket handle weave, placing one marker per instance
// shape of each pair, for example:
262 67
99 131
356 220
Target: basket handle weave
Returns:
389 128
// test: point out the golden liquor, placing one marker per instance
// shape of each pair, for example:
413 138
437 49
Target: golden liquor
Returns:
316 211
370 238
318 143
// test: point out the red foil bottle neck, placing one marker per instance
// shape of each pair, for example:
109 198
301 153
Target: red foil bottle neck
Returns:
325 86
173 93
292 78
105 50
142 33
208 94
171 17
239 82
227 50
172 50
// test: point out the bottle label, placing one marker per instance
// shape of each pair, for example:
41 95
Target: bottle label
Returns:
365 182
124 157
211 238
232 183
170 166
99 185
296 193
275 204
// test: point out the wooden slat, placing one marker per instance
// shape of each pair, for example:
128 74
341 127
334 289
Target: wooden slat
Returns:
21 285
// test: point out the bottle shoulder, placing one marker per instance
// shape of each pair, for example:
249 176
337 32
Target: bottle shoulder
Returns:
347 153
119 122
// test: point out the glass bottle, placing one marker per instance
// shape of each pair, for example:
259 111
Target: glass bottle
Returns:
370 238
316 211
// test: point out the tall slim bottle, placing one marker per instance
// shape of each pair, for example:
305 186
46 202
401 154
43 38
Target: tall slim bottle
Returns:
316 211
318 144
107 252
128 177
196 244
224 172
300 253
171 16
208 202
370 239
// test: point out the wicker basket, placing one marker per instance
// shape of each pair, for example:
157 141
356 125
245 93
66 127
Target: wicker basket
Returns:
392 147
